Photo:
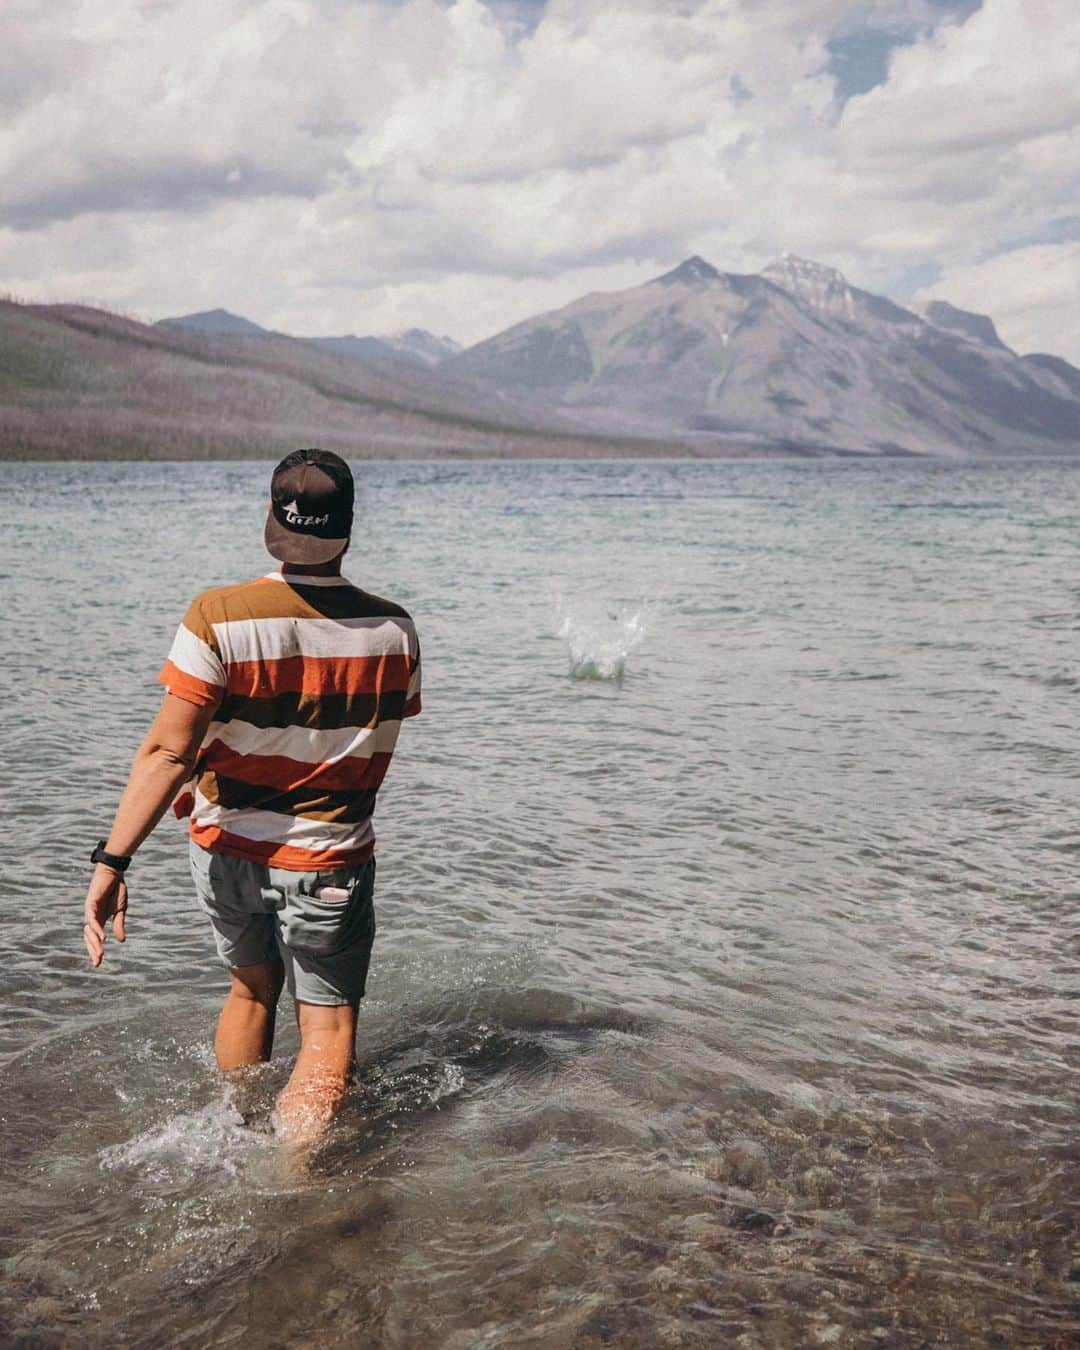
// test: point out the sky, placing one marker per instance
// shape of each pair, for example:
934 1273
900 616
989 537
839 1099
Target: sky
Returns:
362 166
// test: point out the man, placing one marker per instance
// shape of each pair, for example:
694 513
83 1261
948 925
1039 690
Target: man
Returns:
284 698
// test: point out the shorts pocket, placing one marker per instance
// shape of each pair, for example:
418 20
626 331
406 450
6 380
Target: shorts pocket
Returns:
322 926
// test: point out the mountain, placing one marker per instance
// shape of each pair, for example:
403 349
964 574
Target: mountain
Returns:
943 315
412 346
218 321
81 383
1065 377
427 348
359 348
794 357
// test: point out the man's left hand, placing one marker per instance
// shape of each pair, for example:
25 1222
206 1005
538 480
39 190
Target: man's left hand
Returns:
106 899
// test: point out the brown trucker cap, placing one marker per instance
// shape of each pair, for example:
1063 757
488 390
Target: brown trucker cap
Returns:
311 507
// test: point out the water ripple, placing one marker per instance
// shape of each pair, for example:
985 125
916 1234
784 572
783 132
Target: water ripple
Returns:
725 992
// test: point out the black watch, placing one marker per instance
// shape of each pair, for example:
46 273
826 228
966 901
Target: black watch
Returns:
116 861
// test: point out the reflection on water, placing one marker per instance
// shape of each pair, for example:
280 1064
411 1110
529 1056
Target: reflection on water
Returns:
724 994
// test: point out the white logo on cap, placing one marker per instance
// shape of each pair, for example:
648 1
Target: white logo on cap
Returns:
293 516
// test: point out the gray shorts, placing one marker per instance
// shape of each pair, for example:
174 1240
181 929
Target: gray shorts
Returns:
259 912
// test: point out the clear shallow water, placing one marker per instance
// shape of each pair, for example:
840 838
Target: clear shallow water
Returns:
725 990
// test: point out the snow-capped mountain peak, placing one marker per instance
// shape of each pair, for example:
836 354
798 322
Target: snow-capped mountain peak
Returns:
813 283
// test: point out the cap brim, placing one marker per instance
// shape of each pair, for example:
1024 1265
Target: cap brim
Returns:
291 546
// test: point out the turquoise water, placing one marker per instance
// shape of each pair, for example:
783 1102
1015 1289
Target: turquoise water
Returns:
725 990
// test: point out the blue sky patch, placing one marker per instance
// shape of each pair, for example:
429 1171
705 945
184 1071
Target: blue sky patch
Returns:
859 59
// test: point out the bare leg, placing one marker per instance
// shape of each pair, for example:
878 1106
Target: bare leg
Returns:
245 1033
323 1068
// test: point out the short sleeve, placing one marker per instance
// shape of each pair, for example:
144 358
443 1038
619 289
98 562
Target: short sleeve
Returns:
194 670
412 693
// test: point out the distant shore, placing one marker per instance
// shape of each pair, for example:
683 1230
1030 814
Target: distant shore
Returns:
552 449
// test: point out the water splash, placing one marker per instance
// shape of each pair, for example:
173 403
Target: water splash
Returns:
210 1140
599 638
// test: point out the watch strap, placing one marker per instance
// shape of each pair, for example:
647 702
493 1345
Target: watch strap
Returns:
117 861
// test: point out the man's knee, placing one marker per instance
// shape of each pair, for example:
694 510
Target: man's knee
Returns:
259 984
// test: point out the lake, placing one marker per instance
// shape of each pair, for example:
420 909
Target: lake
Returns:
726 983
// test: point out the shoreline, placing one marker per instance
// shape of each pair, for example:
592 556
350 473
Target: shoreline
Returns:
626 454
448 455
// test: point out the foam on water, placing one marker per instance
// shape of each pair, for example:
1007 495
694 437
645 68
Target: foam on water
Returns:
599 637
212 1139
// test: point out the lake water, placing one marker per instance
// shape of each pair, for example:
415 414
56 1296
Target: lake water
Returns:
726 984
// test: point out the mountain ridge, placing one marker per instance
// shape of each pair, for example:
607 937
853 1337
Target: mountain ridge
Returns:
412 346
794 355
221 322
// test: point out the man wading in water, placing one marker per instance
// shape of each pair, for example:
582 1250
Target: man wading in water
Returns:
284 698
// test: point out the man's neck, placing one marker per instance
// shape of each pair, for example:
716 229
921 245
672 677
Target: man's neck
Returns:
330 569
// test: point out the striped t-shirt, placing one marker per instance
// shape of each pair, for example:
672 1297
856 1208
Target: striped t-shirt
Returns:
310 677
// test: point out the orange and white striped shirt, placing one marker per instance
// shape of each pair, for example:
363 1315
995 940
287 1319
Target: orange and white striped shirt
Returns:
310 677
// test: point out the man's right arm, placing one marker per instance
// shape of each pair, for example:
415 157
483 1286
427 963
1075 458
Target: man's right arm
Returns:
162 764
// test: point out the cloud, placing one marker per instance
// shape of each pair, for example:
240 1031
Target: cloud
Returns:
324 165
1006 76
166 107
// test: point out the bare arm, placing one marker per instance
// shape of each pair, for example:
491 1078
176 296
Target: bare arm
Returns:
162 764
